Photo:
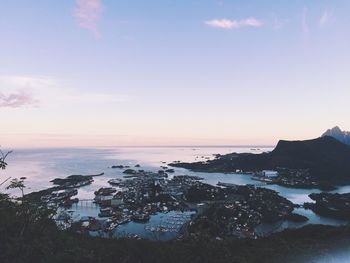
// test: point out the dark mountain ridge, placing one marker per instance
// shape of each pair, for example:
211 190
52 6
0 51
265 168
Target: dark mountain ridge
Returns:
327 159
312 152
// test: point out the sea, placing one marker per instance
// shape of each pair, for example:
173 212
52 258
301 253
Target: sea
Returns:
40 166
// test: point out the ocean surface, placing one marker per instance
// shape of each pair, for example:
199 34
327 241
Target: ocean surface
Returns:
40 166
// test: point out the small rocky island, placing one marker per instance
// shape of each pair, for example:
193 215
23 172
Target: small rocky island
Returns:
320 163
62 193
75 180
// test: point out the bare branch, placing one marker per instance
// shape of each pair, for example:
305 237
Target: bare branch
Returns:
5 181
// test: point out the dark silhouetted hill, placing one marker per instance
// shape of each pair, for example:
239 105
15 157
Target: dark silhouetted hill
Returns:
327 159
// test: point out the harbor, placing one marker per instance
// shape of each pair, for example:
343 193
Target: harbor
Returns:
124 211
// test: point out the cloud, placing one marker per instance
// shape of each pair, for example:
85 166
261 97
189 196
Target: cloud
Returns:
51 92
234 24
326 18
18 99
88 14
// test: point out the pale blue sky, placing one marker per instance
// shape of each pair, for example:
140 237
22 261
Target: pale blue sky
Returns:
103 72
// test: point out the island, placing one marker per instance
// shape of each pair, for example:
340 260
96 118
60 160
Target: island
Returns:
319 163
61 194
331 205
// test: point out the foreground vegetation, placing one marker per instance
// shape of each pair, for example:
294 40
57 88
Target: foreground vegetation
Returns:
27 234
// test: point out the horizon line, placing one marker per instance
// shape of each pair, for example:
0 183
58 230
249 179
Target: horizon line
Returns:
144 146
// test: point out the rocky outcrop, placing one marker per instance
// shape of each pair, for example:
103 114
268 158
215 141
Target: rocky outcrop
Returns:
337 133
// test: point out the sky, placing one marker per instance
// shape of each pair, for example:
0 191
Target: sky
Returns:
172 72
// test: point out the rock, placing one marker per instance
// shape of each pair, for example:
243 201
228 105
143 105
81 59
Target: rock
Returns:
75 180
118 166
105 191
129 171
337 133
297 218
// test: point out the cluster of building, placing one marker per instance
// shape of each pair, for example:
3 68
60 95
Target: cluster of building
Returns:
331 205
142 194
62 194
293 178
222 211
235 211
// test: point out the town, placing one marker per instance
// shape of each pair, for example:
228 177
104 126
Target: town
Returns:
292 178
222 211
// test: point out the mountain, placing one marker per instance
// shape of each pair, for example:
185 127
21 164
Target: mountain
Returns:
336 132
327 160
326 157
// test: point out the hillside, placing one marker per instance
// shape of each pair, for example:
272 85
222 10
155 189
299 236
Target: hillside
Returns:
327 160
323 153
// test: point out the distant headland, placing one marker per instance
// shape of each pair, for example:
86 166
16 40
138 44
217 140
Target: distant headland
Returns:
318 163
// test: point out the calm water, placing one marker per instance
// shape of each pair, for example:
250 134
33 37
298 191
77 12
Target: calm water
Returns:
42 165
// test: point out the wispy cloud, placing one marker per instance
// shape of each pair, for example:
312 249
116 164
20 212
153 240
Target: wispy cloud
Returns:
88 14
18 99
234 24
16 91
326 18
